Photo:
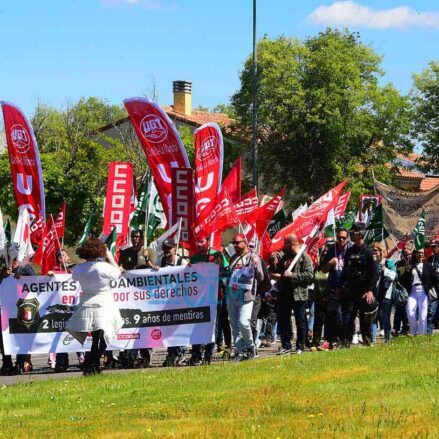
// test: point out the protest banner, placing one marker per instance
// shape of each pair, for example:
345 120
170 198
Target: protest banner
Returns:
209 156
174 306
403 210
161 143
24 157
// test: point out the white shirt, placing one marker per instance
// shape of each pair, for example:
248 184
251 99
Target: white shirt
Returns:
95 275
416 279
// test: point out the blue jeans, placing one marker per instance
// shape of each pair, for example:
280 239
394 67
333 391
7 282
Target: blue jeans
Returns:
431 316
240 314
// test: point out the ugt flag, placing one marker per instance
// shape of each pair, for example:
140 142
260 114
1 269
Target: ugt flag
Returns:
26 173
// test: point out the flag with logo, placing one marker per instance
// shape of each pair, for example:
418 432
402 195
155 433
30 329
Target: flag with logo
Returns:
209 156
314 216
419 232
24 157
247 204
161 143
156 214
400 246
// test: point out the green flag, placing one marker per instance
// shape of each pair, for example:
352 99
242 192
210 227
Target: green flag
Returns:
419 232
157 217
376 232
279 221
87 230
344 222
8 232
138 218
110 242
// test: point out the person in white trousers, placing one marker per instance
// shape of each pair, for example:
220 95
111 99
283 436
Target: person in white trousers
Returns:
418 278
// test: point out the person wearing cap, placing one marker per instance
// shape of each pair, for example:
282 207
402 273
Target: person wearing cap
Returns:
245 274
357 287
175 354
132 258
207 254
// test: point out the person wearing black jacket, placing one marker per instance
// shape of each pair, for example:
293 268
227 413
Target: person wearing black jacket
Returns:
418 278
357 287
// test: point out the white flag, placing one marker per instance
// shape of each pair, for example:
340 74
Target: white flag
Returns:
3 242
21 248
155 206
156 246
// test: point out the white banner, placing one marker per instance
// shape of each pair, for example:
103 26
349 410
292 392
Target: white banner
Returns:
174 306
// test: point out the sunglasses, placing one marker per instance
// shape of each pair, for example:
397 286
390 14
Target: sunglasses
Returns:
236 242
342 238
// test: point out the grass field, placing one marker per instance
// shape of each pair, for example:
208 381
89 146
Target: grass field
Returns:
387 391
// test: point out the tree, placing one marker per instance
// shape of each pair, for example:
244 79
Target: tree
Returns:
425 99
322 116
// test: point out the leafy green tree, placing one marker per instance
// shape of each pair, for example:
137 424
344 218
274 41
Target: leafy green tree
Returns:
425 99
322 115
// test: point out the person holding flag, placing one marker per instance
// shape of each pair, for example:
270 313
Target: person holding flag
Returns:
293 286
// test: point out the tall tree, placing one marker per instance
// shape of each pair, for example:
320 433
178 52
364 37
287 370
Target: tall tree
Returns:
425 98
322 114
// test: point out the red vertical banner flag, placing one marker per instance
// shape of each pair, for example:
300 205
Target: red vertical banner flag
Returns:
233 181
247 204
342 203
219 215
161 143
26 173
60 222
183 201
260 217
314 216
45 256
209 157
118 199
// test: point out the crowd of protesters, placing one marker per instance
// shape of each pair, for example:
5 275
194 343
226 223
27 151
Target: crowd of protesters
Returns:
256 300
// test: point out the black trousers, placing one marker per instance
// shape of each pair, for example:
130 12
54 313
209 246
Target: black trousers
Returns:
98 346
254 318
350 310
269 313
286 305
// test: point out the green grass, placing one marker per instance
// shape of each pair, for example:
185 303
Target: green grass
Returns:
387 391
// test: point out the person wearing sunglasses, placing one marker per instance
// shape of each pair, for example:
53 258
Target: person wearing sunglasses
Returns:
333 263
358 284
246 273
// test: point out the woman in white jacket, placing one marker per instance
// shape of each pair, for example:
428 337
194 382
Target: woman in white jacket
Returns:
97 312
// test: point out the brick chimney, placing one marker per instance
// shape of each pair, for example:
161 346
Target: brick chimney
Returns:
182 97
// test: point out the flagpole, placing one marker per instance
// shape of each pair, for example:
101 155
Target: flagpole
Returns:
57 238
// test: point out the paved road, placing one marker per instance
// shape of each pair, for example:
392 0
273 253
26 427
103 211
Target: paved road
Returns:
43 372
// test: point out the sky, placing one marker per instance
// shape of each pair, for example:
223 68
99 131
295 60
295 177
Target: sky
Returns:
55 51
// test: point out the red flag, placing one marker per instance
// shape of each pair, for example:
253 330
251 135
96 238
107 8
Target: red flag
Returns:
118 199
27 176
45 256
60 221
247 204
233 181
342 203
314 216
313 247
400 246
217 216
209 156
36 230
161 143
260 217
